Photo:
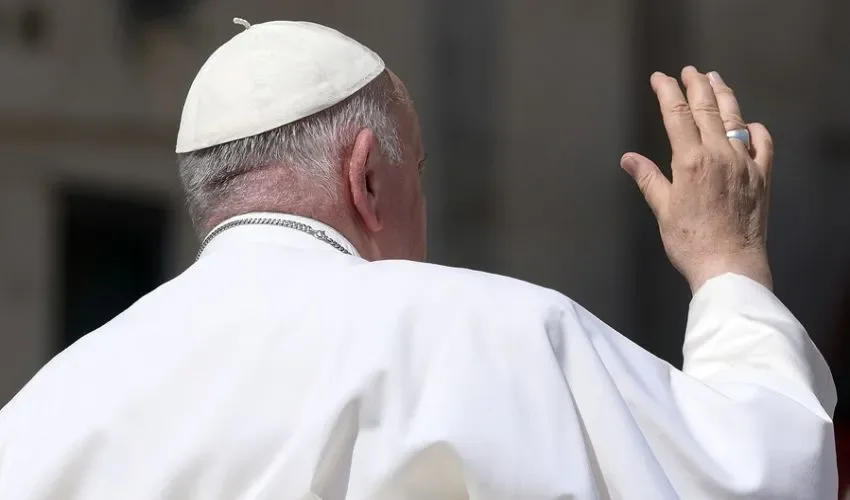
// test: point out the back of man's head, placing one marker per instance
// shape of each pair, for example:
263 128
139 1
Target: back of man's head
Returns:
239 176
299 119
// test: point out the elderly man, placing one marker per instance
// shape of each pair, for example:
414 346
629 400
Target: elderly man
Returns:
310 354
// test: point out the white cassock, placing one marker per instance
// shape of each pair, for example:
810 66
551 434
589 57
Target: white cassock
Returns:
277 367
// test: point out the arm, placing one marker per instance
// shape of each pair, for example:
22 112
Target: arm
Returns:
754 401
748 417
743 344
738 330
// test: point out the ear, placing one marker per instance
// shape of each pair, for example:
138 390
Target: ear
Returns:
363 180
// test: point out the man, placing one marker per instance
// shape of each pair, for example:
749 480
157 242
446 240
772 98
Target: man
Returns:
309 354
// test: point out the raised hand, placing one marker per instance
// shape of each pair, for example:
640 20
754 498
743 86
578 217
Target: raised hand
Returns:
713 215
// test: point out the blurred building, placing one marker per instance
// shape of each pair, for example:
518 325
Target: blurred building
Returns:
526 106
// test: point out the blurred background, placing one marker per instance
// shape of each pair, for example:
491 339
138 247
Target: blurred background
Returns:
526 108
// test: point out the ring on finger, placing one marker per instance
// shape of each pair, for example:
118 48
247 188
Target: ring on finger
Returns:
739 134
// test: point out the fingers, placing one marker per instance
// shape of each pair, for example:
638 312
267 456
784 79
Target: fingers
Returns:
730 111
762 146
704 106
678 120
700 121
651 182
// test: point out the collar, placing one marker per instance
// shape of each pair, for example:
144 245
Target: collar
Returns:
269 233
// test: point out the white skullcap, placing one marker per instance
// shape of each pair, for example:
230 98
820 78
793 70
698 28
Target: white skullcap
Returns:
270 75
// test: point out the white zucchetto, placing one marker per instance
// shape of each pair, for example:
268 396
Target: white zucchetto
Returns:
270 75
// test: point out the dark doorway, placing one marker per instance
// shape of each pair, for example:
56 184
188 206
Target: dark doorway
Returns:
111 254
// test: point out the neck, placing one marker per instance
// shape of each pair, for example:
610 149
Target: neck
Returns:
278 191
344 226
352 231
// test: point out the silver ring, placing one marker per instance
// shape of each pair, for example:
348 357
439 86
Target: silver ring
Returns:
740 134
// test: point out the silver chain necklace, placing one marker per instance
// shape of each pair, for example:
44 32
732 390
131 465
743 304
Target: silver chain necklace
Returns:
272 221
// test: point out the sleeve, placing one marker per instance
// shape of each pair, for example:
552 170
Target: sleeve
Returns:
739 333
749 416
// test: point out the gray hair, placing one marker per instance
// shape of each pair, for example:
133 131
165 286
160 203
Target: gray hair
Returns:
311 148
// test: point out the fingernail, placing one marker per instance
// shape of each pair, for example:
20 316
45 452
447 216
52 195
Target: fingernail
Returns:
628 163
715 79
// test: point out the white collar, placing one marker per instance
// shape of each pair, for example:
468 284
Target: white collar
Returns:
270 233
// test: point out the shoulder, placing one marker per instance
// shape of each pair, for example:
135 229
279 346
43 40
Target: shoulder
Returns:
453 288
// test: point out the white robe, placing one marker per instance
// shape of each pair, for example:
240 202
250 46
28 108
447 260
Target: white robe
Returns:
277 367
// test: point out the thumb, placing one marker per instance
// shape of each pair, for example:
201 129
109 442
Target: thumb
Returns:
651 182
